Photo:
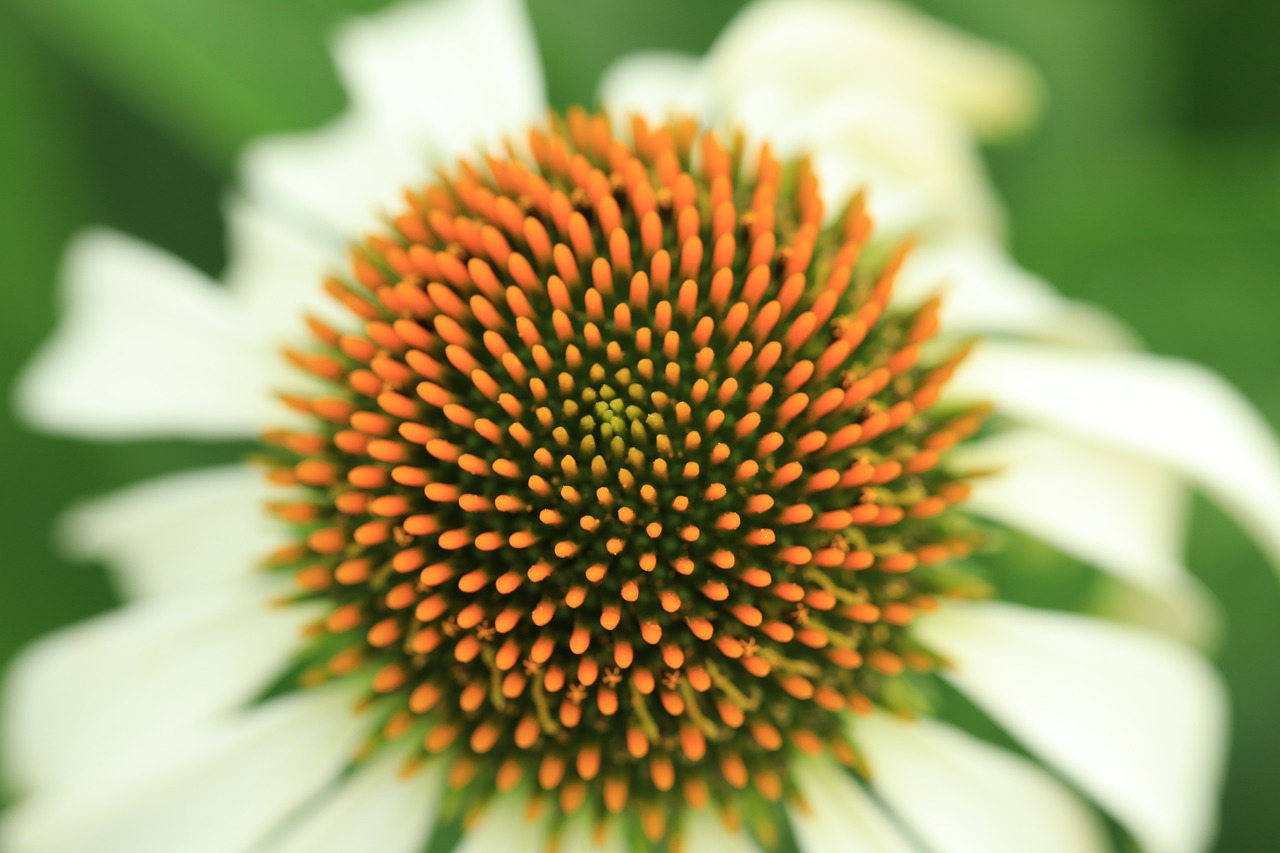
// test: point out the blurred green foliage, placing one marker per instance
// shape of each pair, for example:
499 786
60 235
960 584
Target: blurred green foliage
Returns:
1152 187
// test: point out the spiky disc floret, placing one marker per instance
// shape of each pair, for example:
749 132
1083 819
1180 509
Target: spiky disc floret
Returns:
628 484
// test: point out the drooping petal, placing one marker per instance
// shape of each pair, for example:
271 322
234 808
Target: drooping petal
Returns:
1135 720
654 84
706 831
586 836
1174 412
815 47
446 76
180 532
378 808
138 679
146 347
839 815
960 795
504 826
1123 514
984 292
223 789
917 164
919 168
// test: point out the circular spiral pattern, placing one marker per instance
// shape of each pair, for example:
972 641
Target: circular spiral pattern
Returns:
628 485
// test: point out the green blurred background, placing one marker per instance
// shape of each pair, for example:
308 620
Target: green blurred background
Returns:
1152 187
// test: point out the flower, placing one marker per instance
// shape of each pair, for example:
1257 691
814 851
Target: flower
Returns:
555 526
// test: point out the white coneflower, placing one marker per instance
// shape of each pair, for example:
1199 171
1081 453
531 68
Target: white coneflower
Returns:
617 491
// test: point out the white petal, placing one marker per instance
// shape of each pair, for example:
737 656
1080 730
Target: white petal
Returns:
961 795
377 809
838 814
146 346
179 532
277 271
815 47
1174 412
139 678
866 131
335 182
221 790
706 831
985 292
427 81
1135 720
656 85
504 827
1192 616
584 836
1115 511
919 168
447 76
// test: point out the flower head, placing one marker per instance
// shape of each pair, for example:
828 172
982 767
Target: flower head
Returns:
638 510
637 491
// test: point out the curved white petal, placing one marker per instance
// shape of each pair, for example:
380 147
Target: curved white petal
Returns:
919 168
705 830
334 182
586 836
1135 720
377 809
146 346
1123 514
221 790
838 815
504 826
277 271
815 47
140 678
1174 412
961 795
985 292
179 532
653 84
446 76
